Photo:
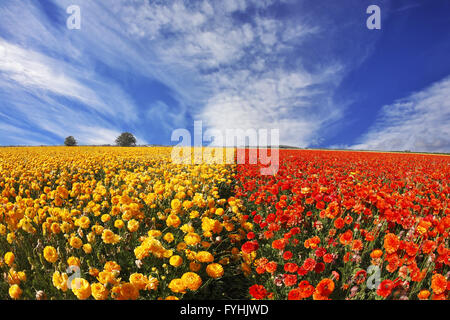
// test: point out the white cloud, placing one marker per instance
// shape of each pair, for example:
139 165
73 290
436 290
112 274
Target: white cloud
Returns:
238 68
225 72
37 71
419 122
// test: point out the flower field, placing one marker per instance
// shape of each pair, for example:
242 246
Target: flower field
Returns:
330 224
128 223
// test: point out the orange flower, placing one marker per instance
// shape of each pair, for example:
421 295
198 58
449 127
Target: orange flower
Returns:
391 243
346 238
339 223
438 283
306 289
428 246
375 254
271 266
423 295
279 244
325 287
357 245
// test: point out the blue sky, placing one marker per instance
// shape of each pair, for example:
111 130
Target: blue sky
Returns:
312 69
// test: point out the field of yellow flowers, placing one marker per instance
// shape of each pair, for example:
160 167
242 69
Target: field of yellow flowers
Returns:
114 223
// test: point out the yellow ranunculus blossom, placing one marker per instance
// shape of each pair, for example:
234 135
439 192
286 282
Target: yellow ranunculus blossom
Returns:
214 270
50 254
15 292
191 280
175 261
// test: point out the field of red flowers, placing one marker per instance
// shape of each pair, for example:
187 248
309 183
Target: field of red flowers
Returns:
347 225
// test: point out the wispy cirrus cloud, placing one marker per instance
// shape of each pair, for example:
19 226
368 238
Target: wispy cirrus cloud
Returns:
419 122
248 74
233 64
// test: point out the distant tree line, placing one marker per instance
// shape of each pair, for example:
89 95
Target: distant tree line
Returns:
125 139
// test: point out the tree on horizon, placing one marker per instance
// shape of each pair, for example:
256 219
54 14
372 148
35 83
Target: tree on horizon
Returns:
126 139
70 141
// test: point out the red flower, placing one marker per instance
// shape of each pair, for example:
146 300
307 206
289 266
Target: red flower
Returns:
346 238
295 294
290 279
287 255
271 266
385 288
328 258
339 223
302 271
249 246
290 267
320 252
325 287
279 244
319 267
258 291
309 264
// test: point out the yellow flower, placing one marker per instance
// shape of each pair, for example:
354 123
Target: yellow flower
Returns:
105 218
204 256
173 221
60 281
175 261
83 222
177 286
90 237
168 237
187 228
138 280
133 225
73 261
181 246
112 266
175 204
194 266
127 291
50 254
22 276
99 291
110 237
106 277
192 239
94 272
75 242
2 229
152 283
119 224
214 270
194 214
15 292
87 248
81 288
9 258
154 233
55 228
98 229
191 280
10 237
